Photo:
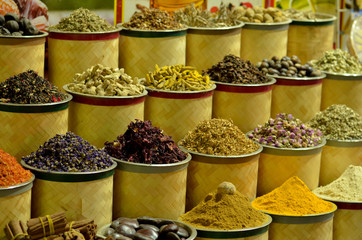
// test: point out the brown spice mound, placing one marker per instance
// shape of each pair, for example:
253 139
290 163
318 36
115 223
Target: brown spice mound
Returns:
218 137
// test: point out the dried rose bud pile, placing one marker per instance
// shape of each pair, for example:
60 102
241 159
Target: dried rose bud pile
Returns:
285 131
143 143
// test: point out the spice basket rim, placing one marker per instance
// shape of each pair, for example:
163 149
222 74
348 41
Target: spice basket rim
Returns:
213 87
344 141
328 18
65 87
326 198
239 25
269 24
342 74
323 75
120 26
68 99
20 184
83 33
193 232
43 34
259 150
273 81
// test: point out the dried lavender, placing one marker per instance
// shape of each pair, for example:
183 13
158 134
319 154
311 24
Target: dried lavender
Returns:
232 69
143 143
338 122
28 87
68 153
285 131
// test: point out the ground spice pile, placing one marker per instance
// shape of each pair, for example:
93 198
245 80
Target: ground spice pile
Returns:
224 209
338 122
29 88
292 198
11 172
348 187
218 137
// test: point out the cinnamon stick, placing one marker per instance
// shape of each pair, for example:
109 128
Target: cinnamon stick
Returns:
37 226
15 230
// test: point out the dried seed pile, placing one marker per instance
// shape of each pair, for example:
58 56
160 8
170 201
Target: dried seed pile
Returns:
106 81
232 69
12 24
338 61
338 122
83 20
152 19
177 78
68 153
260 15
299 15
218 137
285 131
29 88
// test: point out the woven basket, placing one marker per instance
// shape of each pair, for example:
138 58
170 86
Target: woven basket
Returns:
30 125
80 194
252 100
206 46
264 40
140 50
156 190
15 203
257 233
337 155
300 97
19 54
106 116
206 172
342 89
178 112
309 39
276 165
71 53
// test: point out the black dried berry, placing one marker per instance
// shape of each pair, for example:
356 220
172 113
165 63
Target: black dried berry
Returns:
2 20
12 26
11 16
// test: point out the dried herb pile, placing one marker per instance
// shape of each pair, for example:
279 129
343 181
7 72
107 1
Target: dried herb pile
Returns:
218 137
285 131
29 88
338 122
143 143
299 15
68 153
83 20
233 69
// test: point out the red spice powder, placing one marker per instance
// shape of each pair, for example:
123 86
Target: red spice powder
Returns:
11 172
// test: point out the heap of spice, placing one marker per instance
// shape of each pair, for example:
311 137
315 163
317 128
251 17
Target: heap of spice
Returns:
68 153
299 15
177 78
143 143
29 88
12 24
285 131
338 122
218 137
338 61
260 15
11 172
106 81
292 198
224 209
152 19
82 20
196 17
232 69
347 187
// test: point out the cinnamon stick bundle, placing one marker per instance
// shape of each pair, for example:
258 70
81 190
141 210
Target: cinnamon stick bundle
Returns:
16 230
86 227
42 227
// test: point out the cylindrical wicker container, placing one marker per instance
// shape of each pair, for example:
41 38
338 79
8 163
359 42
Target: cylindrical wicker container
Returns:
337 155
24 127
276 165
177 112
70 53
156 190
205 46
19 54
309 39
246 104
257 233
80 194
102 118
15 203
140 50
316 226
206 172
264 40
300 97
342 89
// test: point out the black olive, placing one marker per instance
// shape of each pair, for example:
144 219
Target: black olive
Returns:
275 58
278 66
295 59
16 34
31 30
309 70
285 58
285 64
2 20
271 63
24 23
273 71
11 16
298 65
12 26
265 65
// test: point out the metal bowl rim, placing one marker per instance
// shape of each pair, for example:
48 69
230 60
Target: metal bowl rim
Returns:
298 78
337 201
269 24
301 216
120 25
343 74
239 25
20 184
344 141
68 99
43 34
83 33
213 86
317 20
273 81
